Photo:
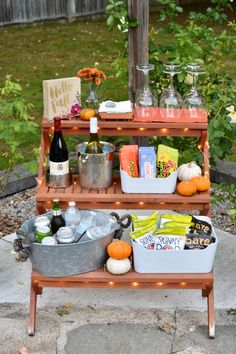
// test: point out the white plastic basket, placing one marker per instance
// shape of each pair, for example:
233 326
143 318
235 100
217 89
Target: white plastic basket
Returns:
148 185
186 261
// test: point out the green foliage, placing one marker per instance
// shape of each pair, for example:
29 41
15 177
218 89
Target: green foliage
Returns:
225 192
196 41
118 16
15 126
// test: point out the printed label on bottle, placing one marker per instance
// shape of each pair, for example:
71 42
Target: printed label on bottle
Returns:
59 168
56 212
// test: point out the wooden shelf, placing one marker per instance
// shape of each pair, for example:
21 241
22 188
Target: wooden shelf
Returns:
102 279
117 128
114 198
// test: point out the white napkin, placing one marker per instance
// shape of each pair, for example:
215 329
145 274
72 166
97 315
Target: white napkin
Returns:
119 107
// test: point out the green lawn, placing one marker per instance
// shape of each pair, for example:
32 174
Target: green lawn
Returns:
34 53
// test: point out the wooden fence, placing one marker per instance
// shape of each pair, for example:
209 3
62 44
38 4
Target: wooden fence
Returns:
27 11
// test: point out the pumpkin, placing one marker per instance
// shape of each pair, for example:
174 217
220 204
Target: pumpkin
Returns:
202 183
188 170
119 249
87 113
118 266
186 188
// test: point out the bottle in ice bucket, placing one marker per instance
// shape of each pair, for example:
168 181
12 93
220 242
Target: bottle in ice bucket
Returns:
57 219
72 215
94 146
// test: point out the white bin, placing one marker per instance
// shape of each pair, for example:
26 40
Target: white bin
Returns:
148 185
186 261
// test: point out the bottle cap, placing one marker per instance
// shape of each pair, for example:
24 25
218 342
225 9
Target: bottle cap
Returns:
71 203
56 200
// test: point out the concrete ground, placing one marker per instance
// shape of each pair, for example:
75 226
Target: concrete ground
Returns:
113 321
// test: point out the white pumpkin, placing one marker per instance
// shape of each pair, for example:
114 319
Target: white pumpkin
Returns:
189 170
118 266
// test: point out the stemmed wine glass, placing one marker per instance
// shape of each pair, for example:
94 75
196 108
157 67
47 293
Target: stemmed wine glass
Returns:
144 98
193 101
171 100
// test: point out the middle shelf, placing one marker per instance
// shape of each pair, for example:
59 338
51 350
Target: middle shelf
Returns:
114 198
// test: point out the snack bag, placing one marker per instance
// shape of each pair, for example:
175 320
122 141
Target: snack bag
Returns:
143 222
198 241
147 162
128 157
169 239
173 221
167 160
144 236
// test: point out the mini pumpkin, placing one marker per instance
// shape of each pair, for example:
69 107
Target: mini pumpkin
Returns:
119 249
188 171
202 183
186 188
118 266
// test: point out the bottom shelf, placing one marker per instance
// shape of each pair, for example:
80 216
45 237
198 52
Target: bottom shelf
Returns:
103 279
114 198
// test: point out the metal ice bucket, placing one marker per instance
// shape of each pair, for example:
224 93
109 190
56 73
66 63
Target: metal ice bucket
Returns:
95 170
74 258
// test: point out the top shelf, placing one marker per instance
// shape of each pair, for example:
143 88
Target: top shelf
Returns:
129 128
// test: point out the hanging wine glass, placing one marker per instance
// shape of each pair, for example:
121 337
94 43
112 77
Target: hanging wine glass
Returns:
144 98
193 101
171 100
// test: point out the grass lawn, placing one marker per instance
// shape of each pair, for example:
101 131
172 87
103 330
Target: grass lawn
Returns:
49 50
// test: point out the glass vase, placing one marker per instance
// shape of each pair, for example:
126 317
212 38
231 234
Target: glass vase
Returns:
92 100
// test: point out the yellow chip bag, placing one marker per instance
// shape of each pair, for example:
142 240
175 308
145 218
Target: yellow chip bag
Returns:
167 160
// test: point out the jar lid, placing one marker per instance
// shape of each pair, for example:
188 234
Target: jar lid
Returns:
43 229
49 240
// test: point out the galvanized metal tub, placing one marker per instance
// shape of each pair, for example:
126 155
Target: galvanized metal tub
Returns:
75 258
95 170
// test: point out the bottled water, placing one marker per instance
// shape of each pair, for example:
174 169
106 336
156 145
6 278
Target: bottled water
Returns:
72 216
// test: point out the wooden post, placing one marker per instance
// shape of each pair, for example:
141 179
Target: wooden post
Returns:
138 43
71 9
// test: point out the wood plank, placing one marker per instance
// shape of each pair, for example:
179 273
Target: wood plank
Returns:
132 276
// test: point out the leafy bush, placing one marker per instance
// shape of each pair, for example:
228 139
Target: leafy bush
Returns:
15 125
197 41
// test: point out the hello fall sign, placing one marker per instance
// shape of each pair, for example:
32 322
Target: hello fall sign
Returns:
59 96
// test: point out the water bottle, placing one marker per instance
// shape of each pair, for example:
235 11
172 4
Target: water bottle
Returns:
72 216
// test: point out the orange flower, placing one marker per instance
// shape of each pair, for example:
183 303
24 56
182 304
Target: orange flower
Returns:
92 74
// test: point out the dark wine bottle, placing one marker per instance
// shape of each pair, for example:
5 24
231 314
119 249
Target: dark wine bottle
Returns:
58 158
94 146
57 220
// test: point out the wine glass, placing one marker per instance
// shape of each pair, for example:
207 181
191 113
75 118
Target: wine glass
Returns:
171 100
193 101
144 98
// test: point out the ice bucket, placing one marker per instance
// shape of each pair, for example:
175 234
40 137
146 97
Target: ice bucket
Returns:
95 170
74 258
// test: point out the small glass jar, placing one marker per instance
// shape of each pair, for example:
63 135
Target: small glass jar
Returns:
41 221
49 241
41 232
65 235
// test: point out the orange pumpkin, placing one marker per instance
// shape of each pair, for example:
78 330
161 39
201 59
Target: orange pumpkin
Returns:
202 183
87 113
119 249
186 188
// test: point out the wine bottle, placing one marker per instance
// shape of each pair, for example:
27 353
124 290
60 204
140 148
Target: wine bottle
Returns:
58 158
57 220
94 146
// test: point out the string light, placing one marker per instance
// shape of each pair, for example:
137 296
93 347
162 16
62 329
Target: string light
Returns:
119 128
185 129
141 203
111 282
117 203
164 130
135 283
141 129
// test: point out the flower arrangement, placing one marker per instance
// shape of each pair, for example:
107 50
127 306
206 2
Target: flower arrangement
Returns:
92 74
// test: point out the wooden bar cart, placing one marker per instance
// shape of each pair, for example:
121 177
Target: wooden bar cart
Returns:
114 198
